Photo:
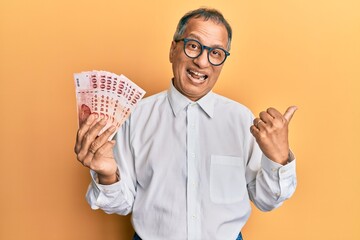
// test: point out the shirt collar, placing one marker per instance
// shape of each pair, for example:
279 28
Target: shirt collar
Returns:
178 101
207 103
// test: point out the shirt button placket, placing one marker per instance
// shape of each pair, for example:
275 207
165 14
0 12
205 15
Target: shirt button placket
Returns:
193 221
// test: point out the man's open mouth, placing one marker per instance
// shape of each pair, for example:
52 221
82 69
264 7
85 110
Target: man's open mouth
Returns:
196 76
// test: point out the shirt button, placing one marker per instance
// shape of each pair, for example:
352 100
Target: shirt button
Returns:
277 194
283 171
273 169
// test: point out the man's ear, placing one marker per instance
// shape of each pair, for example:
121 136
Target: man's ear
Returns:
172 51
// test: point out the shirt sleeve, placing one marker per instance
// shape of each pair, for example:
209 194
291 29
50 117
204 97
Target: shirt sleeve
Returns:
118 197
273 185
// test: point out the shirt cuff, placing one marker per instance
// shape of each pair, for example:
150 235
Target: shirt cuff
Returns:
100 188
278 170
284 175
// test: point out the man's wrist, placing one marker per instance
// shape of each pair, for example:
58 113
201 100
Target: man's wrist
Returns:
107 180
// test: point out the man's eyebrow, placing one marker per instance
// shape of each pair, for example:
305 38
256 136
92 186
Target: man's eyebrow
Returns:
193 36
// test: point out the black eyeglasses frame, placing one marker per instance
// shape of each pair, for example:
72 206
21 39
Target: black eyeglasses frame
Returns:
185 40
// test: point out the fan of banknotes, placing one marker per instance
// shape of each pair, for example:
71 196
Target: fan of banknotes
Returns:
111 96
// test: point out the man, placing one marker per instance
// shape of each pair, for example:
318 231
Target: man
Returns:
188 161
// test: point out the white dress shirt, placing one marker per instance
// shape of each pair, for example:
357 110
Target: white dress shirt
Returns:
188 170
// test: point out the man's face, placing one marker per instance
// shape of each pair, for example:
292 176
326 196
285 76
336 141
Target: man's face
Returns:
194 78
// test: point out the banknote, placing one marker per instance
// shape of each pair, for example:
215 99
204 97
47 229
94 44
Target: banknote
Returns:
107 94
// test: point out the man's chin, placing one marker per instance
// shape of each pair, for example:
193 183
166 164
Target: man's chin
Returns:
194 94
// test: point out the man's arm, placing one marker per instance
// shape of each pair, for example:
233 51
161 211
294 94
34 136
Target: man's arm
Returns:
110 189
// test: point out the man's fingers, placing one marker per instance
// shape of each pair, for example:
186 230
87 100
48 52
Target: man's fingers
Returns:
106 147
85 126
254 129
90 135
289 113
266 117
259 123
92 160
274 113
102 139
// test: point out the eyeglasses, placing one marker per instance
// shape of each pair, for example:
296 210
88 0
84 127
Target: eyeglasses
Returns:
193 49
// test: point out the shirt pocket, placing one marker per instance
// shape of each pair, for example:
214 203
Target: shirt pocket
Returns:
227 179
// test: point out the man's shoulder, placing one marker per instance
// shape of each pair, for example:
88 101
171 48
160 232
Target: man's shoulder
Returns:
157 97
227 103
147 105
145 108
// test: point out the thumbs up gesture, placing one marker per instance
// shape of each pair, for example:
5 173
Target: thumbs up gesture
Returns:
270 130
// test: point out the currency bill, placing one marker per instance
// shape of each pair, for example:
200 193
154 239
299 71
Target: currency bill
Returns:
107 94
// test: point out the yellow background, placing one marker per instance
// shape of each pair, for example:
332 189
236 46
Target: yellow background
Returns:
284 52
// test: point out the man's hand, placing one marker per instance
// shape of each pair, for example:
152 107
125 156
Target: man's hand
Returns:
270 130
96 152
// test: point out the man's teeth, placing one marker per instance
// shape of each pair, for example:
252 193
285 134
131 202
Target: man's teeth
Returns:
197 75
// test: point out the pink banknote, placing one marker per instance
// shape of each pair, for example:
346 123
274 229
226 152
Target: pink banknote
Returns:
111 96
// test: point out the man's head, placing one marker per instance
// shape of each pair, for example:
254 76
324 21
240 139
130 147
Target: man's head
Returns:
196 67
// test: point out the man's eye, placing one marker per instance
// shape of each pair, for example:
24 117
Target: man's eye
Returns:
194 46
217 53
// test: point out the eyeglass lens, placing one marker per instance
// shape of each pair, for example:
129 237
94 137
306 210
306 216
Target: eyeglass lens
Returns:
193 49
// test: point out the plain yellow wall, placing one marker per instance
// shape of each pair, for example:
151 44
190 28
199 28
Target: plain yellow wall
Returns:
301 52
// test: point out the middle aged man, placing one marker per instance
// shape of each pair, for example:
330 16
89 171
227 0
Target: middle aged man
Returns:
188 161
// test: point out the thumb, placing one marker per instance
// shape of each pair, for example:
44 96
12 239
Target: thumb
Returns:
289 113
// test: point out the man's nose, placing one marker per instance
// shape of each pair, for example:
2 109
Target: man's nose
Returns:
202 60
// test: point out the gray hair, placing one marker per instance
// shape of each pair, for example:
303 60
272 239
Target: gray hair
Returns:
207 14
